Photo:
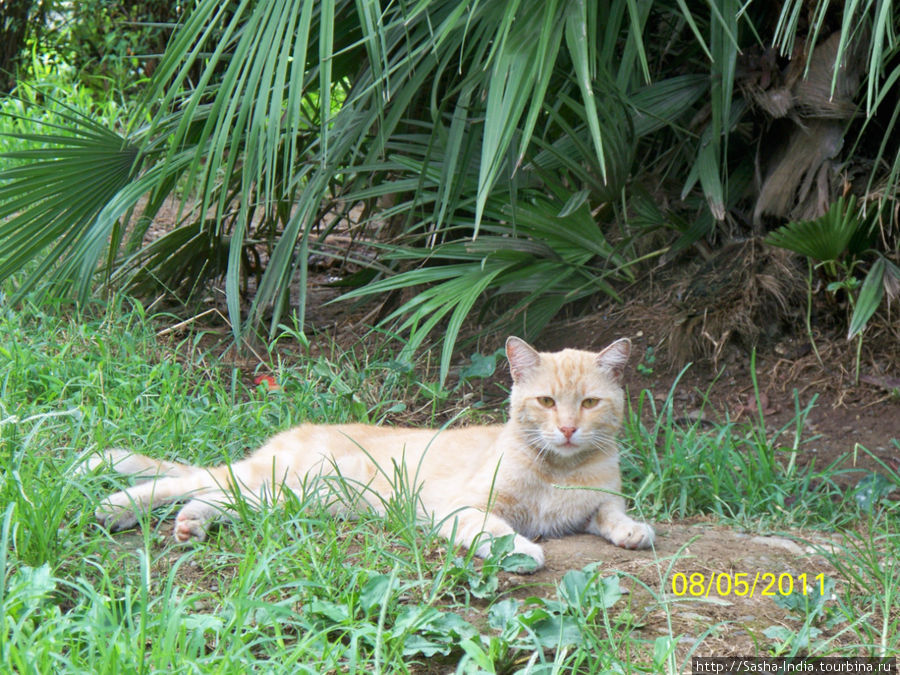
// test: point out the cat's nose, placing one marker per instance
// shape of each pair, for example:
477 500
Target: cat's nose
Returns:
567 432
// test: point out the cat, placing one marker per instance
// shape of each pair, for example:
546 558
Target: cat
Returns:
551 470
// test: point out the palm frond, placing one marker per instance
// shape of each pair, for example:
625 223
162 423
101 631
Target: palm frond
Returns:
66 196
825 238
508 137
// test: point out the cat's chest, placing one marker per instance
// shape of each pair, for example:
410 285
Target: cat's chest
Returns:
537 508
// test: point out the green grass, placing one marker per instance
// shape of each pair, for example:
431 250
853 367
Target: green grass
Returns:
290 589
734 471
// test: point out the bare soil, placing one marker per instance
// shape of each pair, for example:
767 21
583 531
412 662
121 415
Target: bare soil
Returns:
856 424
737 609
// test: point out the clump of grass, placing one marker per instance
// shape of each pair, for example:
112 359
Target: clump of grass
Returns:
732 470
865 557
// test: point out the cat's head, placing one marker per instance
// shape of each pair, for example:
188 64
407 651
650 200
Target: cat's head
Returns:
567 403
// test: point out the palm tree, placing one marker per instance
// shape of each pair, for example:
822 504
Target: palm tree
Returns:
502 151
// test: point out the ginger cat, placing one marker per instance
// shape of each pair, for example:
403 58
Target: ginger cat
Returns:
565 411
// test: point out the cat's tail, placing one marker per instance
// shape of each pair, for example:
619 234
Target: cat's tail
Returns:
133 464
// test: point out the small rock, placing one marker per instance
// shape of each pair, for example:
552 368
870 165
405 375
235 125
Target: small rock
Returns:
778 542
694 616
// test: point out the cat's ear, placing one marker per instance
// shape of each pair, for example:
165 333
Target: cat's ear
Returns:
523 358
613 358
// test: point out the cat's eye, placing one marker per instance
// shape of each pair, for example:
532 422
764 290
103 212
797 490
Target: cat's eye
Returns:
546 401
590 402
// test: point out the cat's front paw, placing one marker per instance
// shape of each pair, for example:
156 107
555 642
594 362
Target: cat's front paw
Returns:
617 528
632 535
116 512
524 546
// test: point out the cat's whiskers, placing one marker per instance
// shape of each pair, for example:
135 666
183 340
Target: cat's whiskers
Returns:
605 445
601 435
538 441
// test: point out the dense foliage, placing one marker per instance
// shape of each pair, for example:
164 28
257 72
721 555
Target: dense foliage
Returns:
512 156
20 20
113 44
116 45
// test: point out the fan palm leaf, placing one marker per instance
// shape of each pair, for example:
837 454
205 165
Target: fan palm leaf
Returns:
66 195
825 238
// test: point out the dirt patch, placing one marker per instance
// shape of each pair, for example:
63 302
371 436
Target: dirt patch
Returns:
735 600
854 423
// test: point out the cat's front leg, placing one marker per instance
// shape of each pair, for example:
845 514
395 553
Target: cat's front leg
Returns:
612 523
121 510
466 526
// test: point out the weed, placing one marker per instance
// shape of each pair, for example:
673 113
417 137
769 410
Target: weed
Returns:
645 367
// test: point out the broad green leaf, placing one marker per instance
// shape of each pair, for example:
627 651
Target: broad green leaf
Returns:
871 489
375 592
474 649
481 366
868 300
552 630
503 612
825 238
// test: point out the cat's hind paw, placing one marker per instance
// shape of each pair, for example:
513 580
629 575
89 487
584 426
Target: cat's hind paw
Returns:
189 528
